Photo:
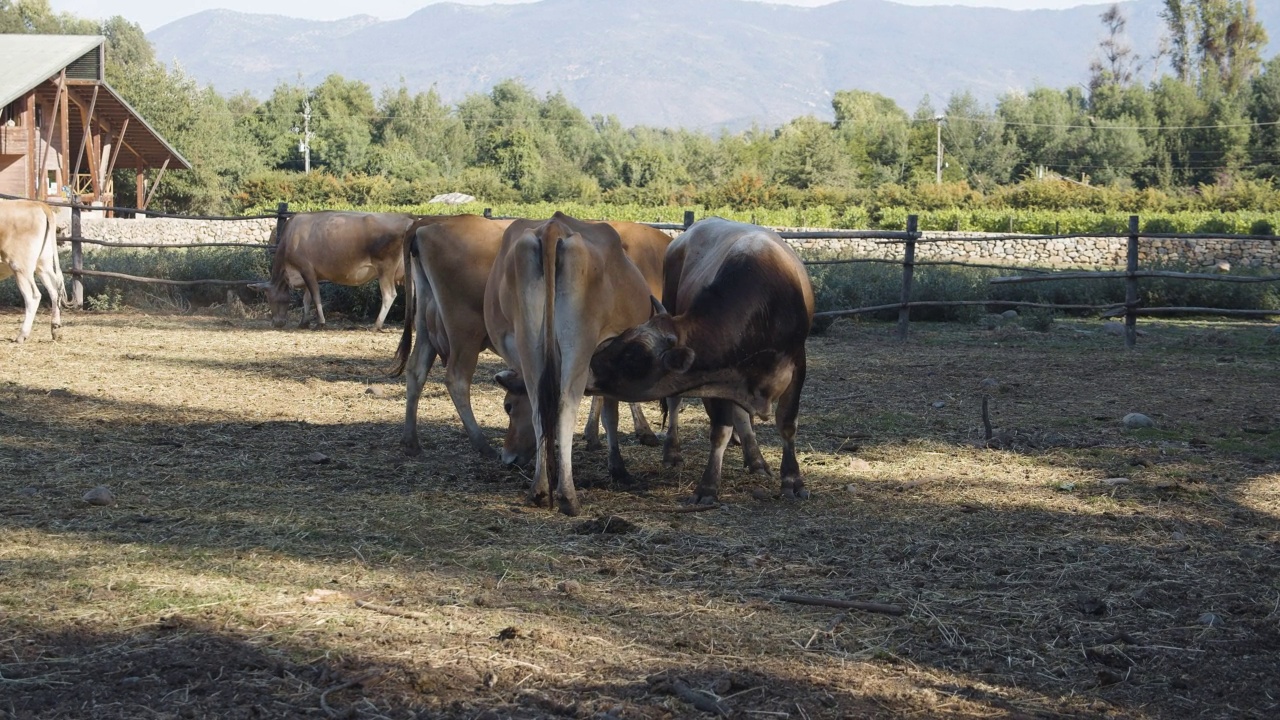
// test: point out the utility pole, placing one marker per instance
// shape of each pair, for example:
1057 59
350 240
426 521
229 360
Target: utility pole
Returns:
304 142
938 175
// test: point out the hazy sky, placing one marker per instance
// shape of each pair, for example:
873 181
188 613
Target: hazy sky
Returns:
151 14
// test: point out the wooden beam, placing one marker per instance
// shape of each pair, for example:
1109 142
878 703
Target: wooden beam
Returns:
87 117
32 145
43 183
115 155
139 184
65 127
155 185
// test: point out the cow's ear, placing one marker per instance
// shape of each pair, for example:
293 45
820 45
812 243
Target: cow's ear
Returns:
678 359
511 380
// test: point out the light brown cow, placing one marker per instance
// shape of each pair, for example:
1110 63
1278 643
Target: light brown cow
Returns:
743 308
29 247
347 248
557 290
447 261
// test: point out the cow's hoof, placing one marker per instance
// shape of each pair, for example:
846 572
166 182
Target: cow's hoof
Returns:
705 496
791 492
620 474
594 444
570 506
673 460
57 333
759 468
411 448
20 339
318 327
648 439
487 452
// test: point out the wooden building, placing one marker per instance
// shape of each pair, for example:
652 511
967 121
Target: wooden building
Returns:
64 130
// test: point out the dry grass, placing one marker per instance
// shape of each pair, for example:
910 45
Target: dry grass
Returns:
235 576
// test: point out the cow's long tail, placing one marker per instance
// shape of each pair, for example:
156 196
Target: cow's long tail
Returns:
51 238
549 382
410 303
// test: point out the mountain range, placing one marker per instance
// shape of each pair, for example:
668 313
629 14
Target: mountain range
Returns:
697 64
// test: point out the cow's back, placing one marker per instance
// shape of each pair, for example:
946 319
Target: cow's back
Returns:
718 262
23 226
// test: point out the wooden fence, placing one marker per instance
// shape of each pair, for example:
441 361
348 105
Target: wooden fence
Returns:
910 238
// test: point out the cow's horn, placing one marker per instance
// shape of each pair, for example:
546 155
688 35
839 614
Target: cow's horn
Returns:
657 306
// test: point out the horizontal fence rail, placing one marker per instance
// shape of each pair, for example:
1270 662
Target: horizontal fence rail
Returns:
910 239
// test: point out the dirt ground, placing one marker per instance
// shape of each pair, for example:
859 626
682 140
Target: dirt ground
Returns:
271 553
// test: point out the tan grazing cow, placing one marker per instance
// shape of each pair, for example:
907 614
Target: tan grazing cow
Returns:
743 307
347 248
29 246
447 261
557 290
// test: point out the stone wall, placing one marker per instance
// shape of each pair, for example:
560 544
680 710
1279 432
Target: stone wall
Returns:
172 231
1092 253
1103 253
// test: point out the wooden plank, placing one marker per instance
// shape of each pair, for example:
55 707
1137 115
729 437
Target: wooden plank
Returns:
88 127
42 181
65 137
155 185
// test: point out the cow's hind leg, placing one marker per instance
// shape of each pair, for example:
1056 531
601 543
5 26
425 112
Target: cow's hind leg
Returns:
31 301
720 413
52 280
788 411
419 364
457 380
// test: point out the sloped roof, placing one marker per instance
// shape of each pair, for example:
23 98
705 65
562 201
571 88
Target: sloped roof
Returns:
29 60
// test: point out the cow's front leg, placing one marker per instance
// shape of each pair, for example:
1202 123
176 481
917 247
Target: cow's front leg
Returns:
752 460
671 455
644 433
617 467
720 413
387 284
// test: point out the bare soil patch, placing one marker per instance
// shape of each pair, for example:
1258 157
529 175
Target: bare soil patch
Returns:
271 553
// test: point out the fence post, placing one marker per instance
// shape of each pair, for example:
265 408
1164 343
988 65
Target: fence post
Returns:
1131 287
488 213
77 258
688 219
282 217
908 270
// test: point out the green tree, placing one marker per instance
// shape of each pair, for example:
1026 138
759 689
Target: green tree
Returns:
875 131
808 154
1264 111
342 120
975 143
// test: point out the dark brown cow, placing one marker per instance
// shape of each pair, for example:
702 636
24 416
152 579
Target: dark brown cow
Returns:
347 248
558 289
29 247
743 308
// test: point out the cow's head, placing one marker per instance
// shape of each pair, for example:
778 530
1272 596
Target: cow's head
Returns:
638 364
519 445
278 298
